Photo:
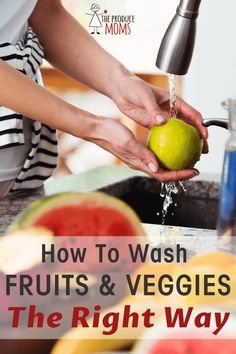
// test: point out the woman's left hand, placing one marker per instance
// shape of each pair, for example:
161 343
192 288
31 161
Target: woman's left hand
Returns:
149 105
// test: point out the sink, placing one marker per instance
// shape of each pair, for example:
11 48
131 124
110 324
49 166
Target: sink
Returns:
196 208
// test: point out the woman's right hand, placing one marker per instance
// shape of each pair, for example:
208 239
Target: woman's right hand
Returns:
121 142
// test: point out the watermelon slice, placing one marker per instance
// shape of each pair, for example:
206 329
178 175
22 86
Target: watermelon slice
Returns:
194 346
81 214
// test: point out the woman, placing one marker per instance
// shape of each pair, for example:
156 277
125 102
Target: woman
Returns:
31 30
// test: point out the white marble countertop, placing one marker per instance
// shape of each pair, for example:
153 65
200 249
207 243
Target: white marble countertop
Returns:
193 239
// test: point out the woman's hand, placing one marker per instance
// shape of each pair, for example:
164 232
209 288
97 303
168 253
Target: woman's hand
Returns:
114 137
149 105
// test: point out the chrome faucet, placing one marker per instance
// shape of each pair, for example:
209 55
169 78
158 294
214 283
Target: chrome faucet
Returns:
176 50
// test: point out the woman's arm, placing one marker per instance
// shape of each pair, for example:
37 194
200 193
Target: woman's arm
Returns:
71 49
23 95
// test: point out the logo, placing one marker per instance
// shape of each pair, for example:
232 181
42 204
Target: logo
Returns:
110 24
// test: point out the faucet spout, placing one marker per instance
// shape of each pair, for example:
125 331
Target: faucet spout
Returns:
189 8
176 50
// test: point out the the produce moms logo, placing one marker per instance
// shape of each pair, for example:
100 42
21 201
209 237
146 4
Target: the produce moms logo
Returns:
110 24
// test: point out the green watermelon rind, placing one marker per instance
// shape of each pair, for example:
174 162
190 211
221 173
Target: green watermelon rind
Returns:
39 207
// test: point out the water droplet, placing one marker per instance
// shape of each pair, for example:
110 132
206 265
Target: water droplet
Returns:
162 192
181 183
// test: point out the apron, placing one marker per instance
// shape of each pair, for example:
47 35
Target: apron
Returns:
26 56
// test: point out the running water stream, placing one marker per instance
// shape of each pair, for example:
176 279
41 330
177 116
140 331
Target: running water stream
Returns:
168 190
172 89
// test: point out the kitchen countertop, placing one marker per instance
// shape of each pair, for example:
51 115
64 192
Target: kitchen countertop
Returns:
13 204
196 241
90 180
100 177
95 179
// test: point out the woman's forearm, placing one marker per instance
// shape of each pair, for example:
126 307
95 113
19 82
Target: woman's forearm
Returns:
23 95
71 49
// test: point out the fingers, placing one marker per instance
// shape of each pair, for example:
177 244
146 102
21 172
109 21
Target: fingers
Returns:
205 149
160 119
152 110
146 162
185 111
145 118
169 176
191 116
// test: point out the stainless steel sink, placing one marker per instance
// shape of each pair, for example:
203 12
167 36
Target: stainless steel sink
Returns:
196 208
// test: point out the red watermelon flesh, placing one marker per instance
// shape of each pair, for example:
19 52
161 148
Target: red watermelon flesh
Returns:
194 346
81 214
84 220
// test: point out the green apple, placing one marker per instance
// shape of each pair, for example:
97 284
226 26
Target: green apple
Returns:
176 144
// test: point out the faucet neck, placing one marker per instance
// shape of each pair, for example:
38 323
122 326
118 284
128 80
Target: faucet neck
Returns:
189 8
230 106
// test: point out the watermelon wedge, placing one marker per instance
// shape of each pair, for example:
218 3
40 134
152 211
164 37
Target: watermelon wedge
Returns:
81 214
194 346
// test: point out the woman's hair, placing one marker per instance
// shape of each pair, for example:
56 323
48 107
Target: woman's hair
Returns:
95 7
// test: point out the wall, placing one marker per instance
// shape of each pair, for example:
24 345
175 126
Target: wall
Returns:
138 50
212 76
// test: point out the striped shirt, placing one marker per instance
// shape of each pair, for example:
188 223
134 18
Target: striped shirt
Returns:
26 56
